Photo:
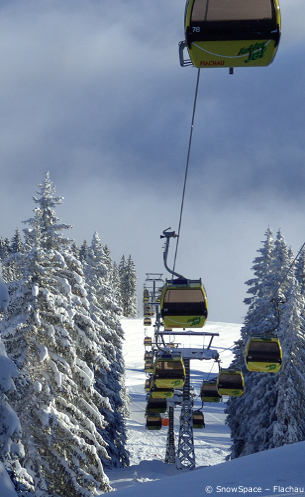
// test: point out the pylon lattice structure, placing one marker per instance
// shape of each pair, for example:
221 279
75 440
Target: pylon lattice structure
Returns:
186 452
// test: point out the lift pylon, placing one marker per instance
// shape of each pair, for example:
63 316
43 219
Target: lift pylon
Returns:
186 452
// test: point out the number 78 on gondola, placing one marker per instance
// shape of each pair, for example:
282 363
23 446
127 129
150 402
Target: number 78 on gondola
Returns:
230 33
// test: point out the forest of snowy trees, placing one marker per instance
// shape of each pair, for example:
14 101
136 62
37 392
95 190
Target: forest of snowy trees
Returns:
271 412
63 401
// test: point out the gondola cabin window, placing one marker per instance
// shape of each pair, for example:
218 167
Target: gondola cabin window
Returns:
184 295
184 301
164 366
231 10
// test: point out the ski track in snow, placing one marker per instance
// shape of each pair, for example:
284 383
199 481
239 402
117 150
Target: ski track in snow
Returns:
147 448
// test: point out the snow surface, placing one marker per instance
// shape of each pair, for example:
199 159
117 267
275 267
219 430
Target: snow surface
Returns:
271 473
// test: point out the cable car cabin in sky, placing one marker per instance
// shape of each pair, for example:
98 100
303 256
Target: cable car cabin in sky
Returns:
231 33
230 383
184 304
264 355
169 372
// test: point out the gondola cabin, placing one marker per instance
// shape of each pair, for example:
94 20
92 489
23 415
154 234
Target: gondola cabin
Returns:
198 420
146 295
147 321
231 33
147 311
184 304
149 366
148 384
153 422
147 341
209 392
230 383
169 372
264 355
156 406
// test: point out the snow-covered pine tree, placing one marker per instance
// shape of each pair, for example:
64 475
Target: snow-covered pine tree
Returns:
51 337
115 283
251 417
16 245
289 426
11 448
16 242
83 251
75 250
128 285
105 312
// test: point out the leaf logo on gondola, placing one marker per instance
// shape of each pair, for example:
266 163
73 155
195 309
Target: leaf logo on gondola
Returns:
270 367
255 51
194 321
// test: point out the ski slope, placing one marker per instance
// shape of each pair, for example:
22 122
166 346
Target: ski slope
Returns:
274 472
213 443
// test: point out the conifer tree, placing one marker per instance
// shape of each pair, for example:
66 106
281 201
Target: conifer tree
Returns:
83 251
128 285
106 312
289 426
50 335
11 448
252 416
16 242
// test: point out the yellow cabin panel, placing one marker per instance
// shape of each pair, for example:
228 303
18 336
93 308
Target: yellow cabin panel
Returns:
263 367
232 53
169 383
230 391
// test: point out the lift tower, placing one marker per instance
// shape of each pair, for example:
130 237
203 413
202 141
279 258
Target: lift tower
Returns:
185 457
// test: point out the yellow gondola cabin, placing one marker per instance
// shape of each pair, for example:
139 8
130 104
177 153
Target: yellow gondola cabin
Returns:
264 355
230 383
153 422
184 304
227 33
209 392
169 372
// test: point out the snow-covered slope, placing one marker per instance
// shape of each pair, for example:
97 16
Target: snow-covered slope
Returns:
273 472
270 473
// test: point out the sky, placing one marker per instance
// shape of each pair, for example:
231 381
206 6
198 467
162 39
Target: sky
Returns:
93 92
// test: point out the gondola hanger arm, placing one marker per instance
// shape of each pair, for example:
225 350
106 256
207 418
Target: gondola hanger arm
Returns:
168 235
